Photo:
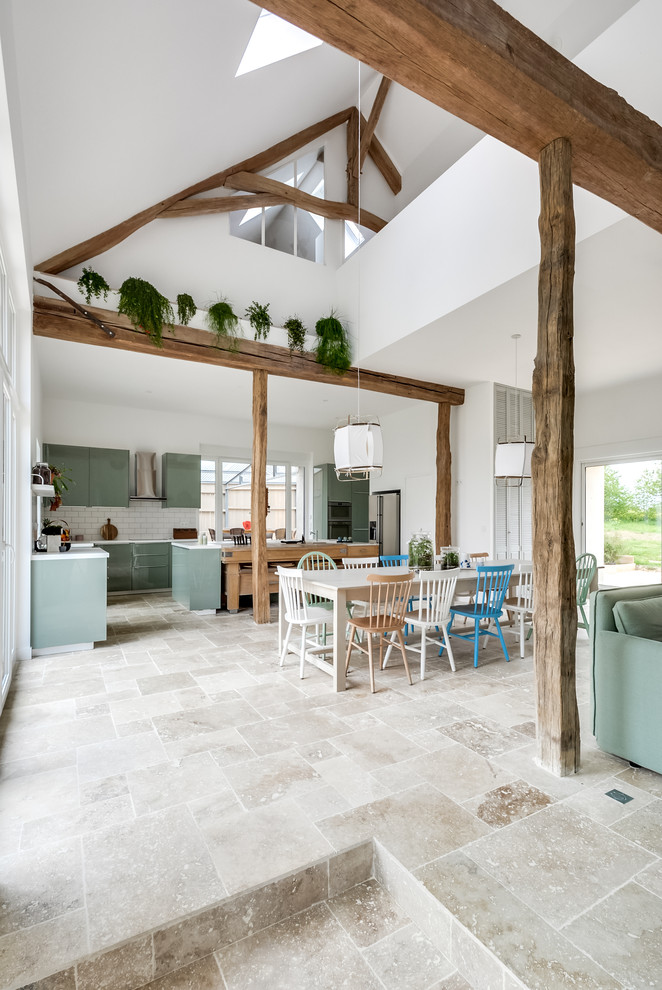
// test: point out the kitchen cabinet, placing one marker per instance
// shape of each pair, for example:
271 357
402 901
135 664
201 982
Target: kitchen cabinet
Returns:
99 475
75 464
196 576
181 480
68 605
327 488
120 559
360 521
109 476
150 569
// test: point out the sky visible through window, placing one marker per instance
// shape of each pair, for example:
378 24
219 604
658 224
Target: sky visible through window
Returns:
272 40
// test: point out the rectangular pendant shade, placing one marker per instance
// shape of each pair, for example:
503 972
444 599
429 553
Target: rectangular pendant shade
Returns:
358 447
513 460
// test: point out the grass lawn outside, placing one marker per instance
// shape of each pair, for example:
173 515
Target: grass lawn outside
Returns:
641 540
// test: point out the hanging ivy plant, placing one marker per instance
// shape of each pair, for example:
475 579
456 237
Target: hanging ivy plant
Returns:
147 309
333 347
258 317
223 321
185 309
296 334
91 284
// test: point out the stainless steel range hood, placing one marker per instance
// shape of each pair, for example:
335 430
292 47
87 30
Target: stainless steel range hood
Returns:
145 465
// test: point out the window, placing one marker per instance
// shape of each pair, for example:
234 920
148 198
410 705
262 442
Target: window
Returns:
355 236
272 40
286 227
228 505
513 420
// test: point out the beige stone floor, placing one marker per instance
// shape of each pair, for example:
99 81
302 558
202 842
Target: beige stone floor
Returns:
177 763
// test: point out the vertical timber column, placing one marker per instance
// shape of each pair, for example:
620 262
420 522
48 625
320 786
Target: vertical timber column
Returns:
442 526
555 616
261 611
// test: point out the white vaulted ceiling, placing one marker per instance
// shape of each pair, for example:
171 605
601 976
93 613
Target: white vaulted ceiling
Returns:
122 104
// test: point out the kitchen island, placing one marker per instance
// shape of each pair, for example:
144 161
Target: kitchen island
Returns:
200 572
68 608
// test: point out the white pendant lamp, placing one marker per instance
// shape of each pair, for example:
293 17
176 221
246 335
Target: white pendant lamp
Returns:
358 449
512 460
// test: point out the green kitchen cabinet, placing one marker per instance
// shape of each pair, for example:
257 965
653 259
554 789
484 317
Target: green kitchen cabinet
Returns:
99 475
109 476
181 481
120 559
150 569
196 577
74 462
360 511
320 501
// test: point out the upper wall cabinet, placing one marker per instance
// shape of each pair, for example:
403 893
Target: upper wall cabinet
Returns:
99 475
109 476
181 481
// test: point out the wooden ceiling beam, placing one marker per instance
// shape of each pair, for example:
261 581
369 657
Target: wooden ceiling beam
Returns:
200 206
368 131
383 161
57 319
480 64
96 245
323 207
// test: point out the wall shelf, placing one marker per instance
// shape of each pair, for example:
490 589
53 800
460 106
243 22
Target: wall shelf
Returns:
46 491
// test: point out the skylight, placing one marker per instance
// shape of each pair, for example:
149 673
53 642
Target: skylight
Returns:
274 39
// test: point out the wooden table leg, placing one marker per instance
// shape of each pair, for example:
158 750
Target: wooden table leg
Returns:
232 586
339 639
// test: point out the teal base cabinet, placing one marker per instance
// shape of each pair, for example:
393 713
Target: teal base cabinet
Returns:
196 577
120 559
150 569
68 600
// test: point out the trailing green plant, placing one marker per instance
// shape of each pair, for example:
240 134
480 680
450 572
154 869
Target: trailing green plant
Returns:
185 308
146 308
296 334
259 318
333 347
223 321
91 284
60 480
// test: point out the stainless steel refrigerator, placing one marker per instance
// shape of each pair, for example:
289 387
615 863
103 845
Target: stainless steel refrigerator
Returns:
385 521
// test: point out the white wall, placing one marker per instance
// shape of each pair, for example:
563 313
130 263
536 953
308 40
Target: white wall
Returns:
472 441
410 453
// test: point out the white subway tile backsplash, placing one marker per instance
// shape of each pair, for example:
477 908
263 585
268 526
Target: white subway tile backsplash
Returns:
141 521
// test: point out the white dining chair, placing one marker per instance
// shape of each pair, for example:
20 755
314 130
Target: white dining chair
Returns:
356 562
520 603
298 612
435 597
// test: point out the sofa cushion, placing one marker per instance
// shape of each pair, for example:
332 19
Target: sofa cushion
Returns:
641 617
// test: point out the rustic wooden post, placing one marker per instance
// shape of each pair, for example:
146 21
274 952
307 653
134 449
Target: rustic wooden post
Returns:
555 617
442 527
261 611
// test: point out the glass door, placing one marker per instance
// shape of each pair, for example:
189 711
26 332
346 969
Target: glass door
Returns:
623 522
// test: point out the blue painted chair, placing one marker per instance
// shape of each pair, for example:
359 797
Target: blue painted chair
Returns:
395 560
491 588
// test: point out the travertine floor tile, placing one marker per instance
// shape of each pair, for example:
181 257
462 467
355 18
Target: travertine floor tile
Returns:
308 952
407 960
33 953
558 861
486 737
164 858
367 913
631 951
106 759
165 784
508 803
644 827
202 975
416 825
459 772
265 779
40 885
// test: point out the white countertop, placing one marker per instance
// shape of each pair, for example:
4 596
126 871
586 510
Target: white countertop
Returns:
189 545
71 554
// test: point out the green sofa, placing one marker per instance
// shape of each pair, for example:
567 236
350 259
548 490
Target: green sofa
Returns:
627 673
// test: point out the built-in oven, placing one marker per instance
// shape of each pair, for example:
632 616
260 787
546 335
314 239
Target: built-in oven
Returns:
340 520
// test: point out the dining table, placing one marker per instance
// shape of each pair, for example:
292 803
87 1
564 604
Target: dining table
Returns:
342 586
